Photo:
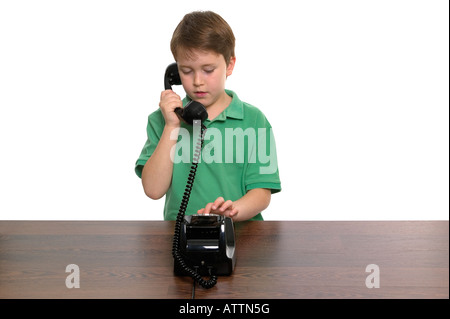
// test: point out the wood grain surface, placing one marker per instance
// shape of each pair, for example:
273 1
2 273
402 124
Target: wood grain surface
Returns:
275 259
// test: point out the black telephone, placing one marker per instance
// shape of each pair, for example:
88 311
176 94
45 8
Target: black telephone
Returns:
203 245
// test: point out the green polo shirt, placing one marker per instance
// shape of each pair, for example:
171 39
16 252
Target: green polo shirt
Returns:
238 155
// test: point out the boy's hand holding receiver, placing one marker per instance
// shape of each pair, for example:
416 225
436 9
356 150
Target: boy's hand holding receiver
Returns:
168 103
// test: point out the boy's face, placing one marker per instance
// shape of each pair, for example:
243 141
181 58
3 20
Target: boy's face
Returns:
203 74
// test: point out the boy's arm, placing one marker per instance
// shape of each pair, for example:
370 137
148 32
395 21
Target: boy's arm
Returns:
246 207
157 172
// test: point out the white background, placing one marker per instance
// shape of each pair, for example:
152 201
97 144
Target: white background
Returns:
356 91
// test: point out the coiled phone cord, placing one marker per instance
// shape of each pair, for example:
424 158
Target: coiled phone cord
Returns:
178 258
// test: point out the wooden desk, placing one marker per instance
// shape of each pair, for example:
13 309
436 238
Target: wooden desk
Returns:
132 259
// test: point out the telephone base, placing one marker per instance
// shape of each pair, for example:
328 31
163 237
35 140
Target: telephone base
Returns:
207 245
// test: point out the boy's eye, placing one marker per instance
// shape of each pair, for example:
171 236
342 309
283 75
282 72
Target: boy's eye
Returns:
209 70
185 71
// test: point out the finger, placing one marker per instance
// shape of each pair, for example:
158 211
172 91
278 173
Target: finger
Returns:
207 209
173 101
164 94
169 95
200 211
219 201
167 92
233 212
226 205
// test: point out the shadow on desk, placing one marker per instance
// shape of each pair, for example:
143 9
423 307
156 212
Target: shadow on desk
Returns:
275 259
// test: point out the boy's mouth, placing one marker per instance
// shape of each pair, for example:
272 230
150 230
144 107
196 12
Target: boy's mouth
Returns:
200 94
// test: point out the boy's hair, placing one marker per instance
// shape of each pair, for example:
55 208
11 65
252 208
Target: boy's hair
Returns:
203 30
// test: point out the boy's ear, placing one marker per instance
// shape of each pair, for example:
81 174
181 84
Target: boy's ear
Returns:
230 65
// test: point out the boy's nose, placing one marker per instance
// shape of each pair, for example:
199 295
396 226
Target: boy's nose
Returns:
198 80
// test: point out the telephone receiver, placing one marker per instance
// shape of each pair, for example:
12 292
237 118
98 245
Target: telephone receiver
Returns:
193 110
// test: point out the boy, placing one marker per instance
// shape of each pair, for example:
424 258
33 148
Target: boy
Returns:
235 176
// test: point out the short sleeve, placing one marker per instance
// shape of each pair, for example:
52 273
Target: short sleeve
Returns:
155 126
262 168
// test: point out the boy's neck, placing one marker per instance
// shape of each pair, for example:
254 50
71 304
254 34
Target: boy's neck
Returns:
218 106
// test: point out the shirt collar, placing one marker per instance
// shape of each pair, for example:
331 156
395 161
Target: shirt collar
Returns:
236 108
